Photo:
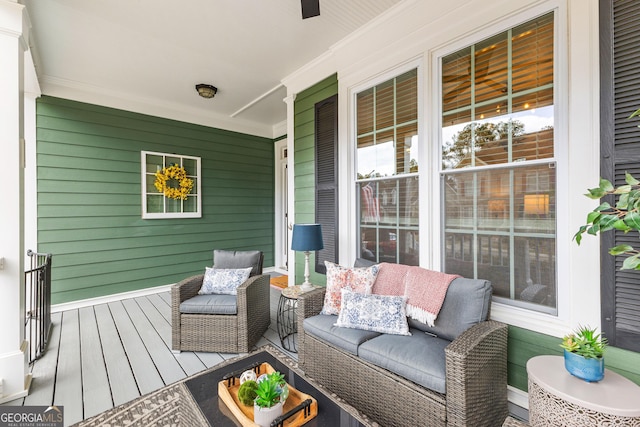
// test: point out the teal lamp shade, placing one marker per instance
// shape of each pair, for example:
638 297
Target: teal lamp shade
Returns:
306 237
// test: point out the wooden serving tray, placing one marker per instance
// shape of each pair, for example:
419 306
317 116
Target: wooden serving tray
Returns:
298 409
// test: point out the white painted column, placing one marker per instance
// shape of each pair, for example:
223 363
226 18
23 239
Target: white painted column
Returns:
14 375
289 100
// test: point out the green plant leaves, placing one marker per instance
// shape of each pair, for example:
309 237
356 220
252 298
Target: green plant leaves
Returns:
631 263
625 216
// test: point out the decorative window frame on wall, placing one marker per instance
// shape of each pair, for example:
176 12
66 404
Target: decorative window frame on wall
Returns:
154 204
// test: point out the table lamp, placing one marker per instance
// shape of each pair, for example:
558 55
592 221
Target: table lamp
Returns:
306 238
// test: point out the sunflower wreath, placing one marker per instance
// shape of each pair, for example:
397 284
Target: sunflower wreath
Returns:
173 174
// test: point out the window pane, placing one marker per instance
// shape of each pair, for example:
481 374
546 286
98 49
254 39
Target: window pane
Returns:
532 54
456 80
498 217
190 166
173 205
407 97
387 146
154 204
191 204
376 160
154 163
151 188
491 68
365 111
407 149
169 161
388 217
384 105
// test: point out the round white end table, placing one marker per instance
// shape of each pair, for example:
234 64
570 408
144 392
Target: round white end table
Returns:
556 398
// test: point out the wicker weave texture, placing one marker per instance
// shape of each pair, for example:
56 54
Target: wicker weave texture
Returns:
476 378
512 422
221 333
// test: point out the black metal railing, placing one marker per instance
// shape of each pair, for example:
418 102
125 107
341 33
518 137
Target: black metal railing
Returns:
38 303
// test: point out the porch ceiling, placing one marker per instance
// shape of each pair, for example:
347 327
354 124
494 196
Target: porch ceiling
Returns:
149 54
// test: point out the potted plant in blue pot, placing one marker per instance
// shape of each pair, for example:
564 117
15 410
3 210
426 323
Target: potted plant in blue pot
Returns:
584 353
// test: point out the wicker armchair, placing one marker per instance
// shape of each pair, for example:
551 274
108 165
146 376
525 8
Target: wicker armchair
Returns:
227 333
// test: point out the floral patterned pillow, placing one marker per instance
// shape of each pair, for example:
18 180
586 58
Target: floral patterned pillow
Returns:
358 280
379 313
223 280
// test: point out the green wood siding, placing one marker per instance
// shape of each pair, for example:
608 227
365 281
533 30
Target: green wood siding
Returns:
304 180
89 201
525 344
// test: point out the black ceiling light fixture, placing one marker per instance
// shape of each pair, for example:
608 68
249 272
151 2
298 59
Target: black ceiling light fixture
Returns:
206 91
310 8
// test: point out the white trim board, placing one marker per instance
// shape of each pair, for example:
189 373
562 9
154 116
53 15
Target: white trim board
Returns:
73 305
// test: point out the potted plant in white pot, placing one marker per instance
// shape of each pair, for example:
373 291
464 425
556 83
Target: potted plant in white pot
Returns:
584 353
271 393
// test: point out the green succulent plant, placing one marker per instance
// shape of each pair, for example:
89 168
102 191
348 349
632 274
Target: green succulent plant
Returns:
269 390
586 342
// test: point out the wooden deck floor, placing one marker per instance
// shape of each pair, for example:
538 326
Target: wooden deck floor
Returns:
102 356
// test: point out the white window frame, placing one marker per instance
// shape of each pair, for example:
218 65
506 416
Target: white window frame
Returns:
513 315
196 191
351 155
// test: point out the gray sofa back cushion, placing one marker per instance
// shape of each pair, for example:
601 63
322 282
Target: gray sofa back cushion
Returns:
361 262
238 259
466 304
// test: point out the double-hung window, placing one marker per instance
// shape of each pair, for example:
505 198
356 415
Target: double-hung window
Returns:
498 165
387 170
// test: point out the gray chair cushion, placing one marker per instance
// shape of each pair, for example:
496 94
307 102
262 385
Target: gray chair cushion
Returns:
418 357
210 304
238 259
466 304
347 339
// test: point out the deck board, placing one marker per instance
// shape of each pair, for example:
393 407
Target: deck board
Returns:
95 383
68 386
169 369
188 361
108 354
44 371
144 370
121 380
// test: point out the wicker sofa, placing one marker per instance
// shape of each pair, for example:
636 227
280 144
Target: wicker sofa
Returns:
472 390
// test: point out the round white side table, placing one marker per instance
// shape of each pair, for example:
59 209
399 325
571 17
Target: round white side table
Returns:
556 398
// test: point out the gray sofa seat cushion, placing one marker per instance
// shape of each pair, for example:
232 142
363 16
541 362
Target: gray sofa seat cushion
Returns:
466 304
347 339
238 259
210 304
418 357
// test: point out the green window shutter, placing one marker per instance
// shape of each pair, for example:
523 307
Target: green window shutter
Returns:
326 171
620 150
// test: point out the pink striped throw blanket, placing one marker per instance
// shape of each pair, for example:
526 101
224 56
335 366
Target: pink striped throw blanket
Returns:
390 279
425 289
